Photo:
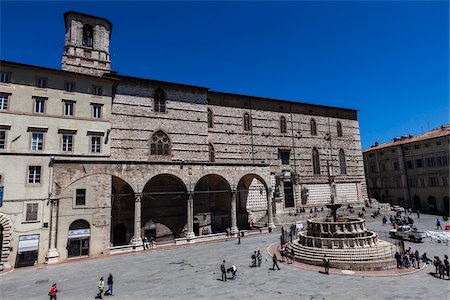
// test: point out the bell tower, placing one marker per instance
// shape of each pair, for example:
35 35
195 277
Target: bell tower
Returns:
86 46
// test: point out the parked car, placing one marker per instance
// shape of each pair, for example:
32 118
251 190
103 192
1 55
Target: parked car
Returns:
397 208
408 233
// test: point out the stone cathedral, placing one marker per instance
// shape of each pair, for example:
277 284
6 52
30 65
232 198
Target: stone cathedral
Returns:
104 160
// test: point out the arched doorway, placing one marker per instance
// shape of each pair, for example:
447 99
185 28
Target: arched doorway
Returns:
122 212
212 204
78 238
376 196
165 204
5 242
431 204
252 200
417 204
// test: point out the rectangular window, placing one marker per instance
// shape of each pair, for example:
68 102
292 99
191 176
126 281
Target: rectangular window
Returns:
69 108
397 183
409 164
2 139
427 145
34 174
416 146
422 182
39 105
372 168
412 182
419 163
395 165
41 83
433 181
430 162
445 181
97 90
67 142
444 161
4 101
383 167
80 197
393 150
4 77
32 212
438 143
284 156
69 86
37 141
96 111
96 142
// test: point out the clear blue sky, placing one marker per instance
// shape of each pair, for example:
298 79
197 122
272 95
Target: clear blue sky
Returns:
389 60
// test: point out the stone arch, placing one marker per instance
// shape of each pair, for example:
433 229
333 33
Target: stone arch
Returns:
6 229
212 203
88 35
446 205
122 212
164 202
417 203
78 237
432 203
251 203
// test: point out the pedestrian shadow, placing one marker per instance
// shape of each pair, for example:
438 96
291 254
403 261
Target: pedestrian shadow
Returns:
323 272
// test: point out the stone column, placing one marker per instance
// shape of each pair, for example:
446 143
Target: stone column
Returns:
190 217
270 196
137 239
52 254
234 228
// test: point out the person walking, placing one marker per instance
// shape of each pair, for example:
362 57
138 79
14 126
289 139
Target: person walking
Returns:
398 258
418 214
417 255
239 237
52 292
109 281
259 258
101 287
275 262
446 266
438 224
254 259
224 271
326 264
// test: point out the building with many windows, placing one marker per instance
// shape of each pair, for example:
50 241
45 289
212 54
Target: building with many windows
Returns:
110 159
411 171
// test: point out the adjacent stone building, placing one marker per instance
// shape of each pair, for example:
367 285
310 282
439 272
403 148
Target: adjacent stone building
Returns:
411 171
177 162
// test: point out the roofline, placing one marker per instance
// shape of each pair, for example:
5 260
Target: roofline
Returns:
282 100
54 70
89 16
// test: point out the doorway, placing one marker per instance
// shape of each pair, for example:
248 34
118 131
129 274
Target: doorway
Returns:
288 194
78 239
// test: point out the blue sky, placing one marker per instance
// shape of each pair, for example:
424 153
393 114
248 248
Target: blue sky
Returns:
389 60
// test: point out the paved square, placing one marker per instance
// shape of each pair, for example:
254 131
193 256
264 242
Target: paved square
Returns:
194 271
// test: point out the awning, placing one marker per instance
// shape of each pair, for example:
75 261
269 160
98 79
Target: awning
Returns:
79 233
28 243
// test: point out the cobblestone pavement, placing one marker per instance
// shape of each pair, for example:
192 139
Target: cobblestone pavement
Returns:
193 272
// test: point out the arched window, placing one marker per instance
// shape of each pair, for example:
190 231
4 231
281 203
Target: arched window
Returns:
212 154
316 161
313 127
160 144
339 128
247 122
342 162
283 125
159 100
210 119
88 35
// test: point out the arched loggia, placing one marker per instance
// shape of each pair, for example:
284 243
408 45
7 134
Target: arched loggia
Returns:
212 204
122 212
164 204
251 200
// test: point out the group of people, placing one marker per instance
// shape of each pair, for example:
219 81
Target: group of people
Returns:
286 254
409 259
442 267
224 271
101 287
256 259
147 244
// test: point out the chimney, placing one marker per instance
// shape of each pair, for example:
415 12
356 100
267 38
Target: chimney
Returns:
411 136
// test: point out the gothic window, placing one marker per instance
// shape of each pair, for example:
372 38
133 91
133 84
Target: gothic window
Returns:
88 35
313 127
160 144
210 119
160 100
339 128
342 162
316 161
212 154
283 125
247 121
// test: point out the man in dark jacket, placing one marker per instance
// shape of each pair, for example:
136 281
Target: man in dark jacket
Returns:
109 281
275 261
224 271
